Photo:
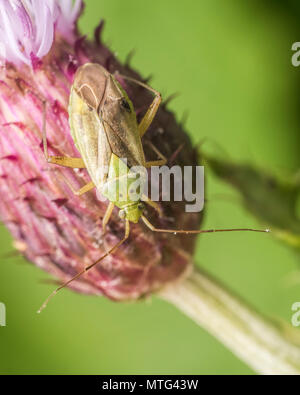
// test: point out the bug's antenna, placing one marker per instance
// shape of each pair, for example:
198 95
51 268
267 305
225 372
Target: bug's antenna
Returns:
45 145
175 231
127 229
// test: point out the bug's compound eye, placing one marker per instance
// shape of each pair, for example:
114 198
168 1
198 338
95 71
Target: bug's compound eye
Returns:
141 206
122 214
125 104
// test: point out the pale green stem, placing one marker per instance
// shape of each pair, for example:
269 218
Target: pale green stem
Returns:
250 336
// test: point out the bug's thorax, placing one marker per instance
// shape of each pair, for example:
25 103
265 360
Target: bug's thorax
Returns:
132 212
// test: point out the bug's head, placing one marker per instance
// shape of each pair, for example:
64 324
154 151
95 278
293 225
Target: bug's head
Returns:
133 213
91 83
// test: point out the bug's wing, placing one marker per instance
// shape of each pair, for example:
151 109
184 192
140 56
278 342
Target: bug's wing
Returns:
90 138
121 126
125 142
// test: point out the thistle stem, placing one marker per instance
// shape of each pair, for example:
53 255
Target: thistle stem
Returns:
249 335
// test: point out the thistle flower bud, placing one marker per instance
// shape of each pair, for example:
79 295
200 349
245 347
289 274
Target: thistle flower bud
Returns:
59 232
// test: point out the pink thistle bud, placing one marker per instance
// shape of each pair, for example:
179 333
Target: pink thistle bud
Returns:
40 51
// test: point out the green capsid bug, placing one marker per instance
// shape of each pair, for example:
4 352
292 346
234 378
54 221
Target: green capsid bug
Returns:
105 130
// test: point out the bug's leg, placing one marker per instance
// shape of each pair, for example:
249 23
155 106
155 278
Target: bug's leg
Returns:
175 231
152 110
107 215
76 163
160 162
86 269
152 204
150 114
81 191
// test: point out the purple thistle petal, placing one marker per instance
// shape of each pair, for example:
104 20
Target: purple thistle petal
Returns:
70 11
45 31
9 33
27 27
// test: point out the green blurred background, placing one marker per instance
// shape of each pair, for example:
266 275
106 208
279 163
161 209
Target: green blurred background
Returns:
231 63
